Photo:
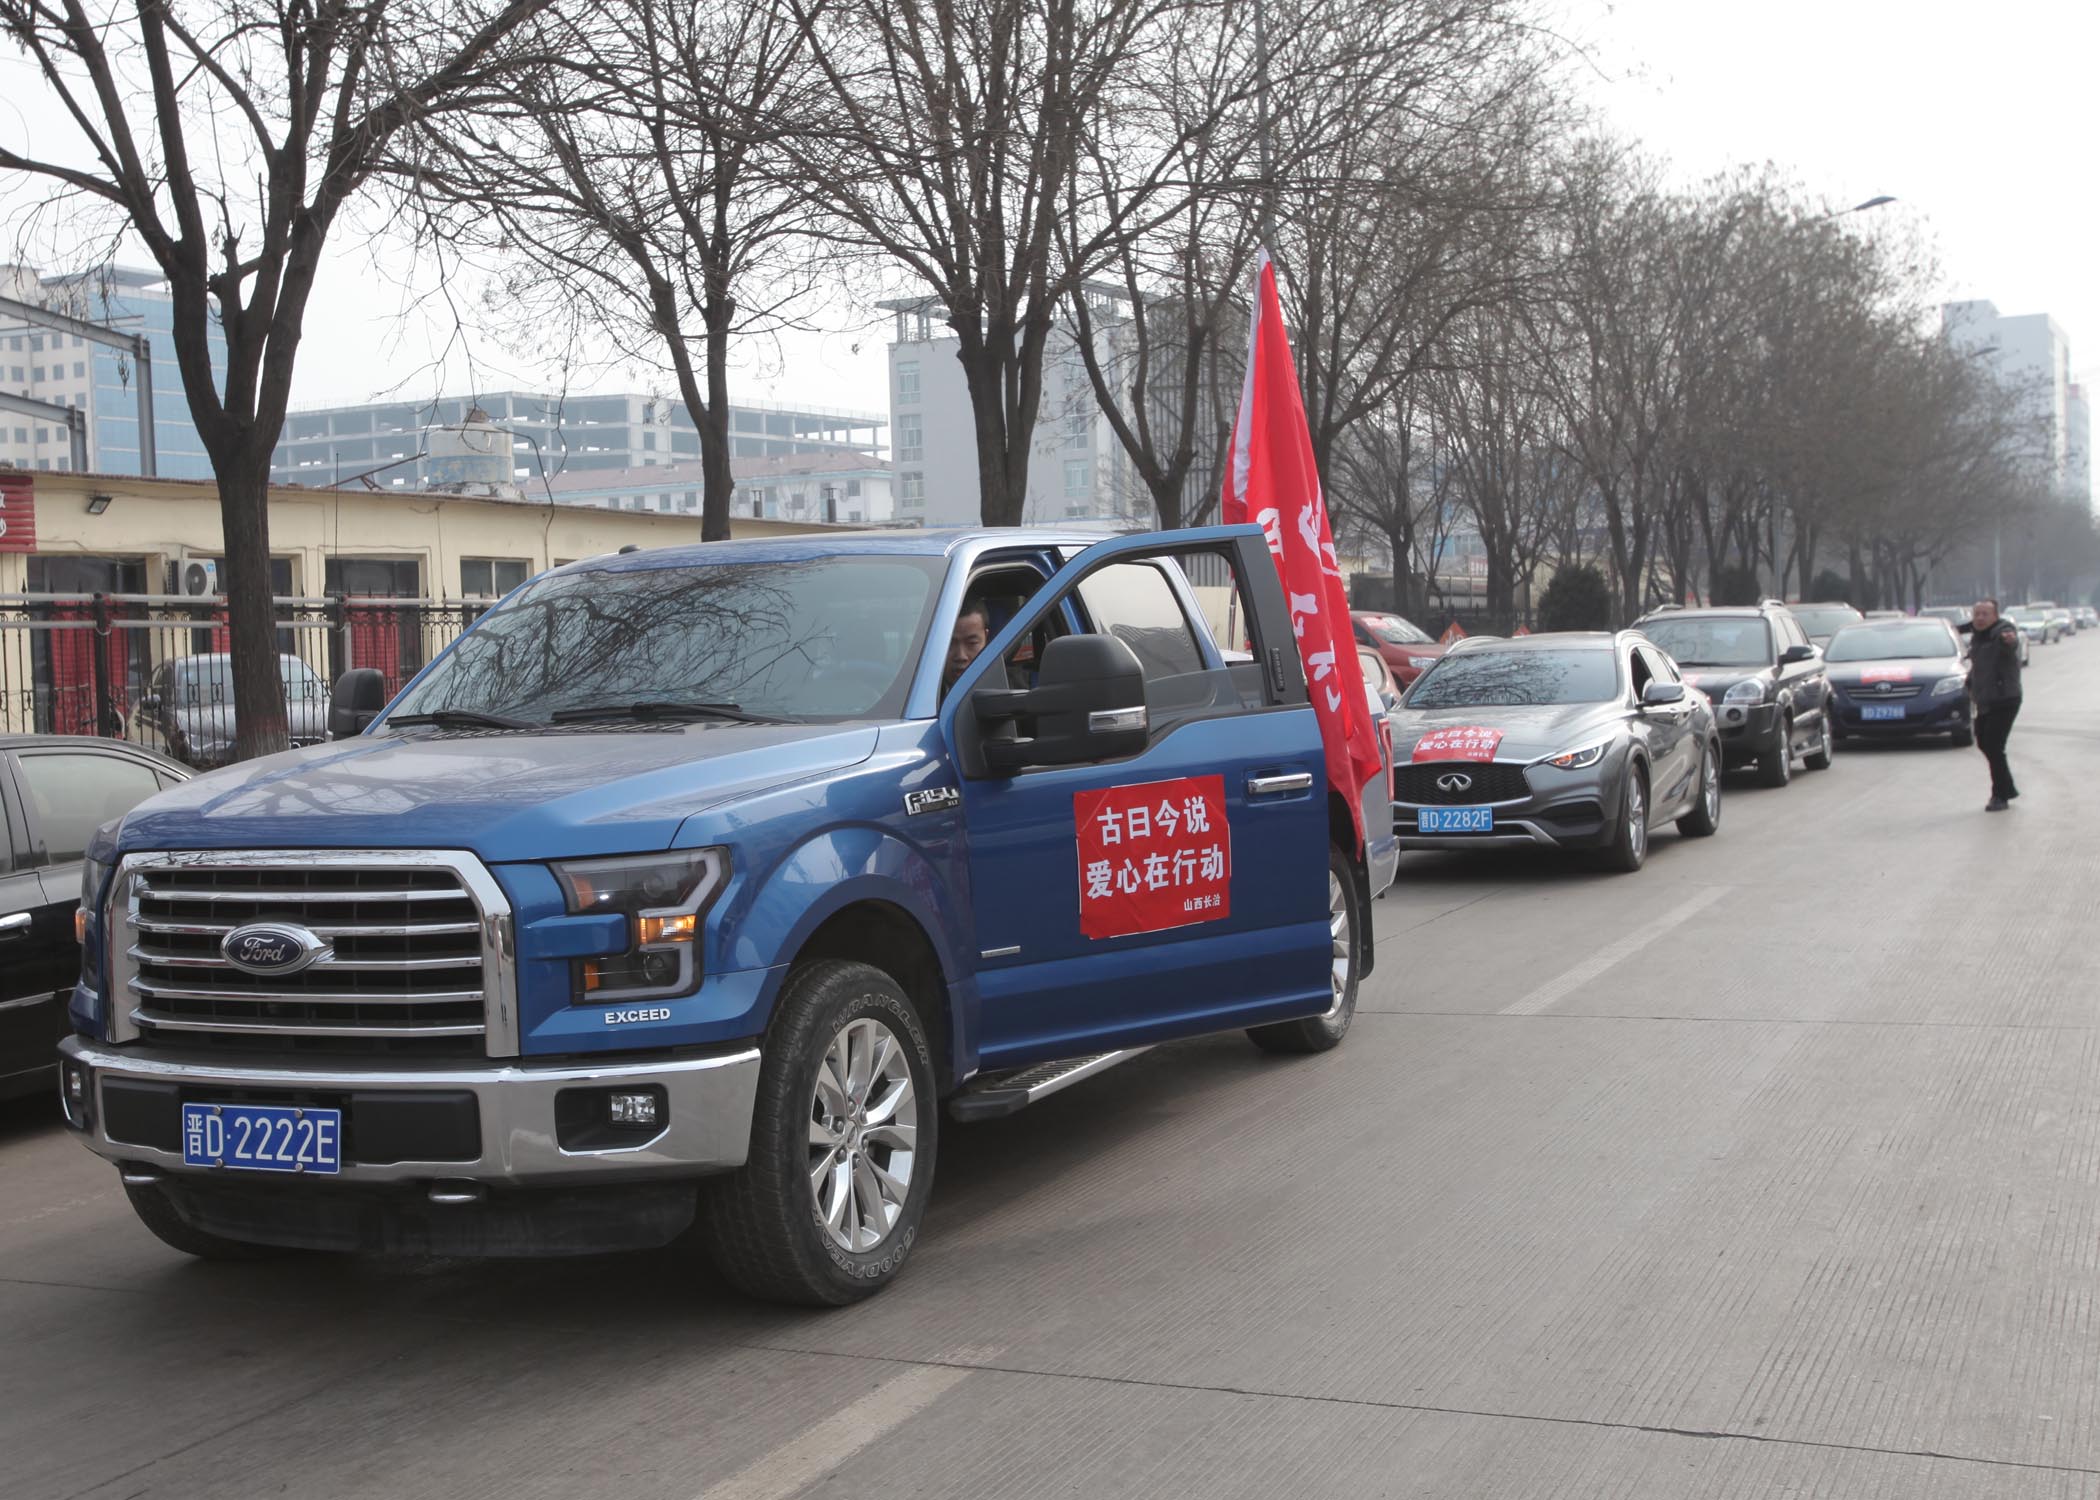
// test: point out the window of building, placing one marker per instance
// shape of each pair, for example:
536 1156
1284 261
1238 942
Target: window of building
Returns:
1081 437
79 367
911 489
649 441
1079 476
852 488
907 380
490 577
36 343
21 434
15 345
37 372
17 375
911 442
43 434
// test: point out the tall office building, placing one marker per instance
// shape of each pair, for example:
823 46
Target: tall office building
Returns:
2031 353
64 369
388 444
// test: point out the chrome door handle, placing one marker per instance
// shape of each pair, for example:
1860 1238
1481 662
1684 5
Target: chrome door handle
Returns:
15 925
1287 781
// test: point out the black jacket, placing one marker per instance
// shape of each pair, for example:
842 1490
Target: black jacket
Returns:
1994 664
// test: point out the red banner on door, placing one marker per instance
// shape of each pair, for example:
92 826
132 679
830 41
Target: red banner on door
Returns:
17 513
1465 742
1153 856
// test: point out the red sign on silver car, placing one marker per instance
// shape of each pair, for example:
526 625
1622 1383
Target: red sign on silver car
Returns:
1153 856
1461 742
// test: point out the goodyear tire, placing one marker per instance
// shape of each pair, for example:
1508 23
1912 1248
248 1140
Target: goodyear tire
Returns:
177 1233
1345 929
843 1138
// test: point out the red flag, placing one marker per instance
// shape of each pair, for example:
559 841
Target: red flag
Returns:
1453 633
1270 479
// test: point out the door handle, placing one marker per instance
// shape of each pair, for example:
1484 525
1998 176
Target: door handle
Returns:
1285 781
14 925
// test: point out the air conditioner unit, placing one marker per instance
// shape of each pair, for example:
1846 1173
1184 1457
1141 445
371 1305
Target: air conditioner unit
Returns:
200 578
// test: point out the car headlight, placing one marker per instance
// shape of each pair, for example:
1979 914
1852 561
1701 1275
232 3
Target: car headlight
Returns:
1949 685
1749 690
1421 663
1576 760
663 897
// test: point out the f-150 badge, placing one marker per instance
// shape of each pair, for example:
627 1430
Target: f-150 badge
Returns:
933 799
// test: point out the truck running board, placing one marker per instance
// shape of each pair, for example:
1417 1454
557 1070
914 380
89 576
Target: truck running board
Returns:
1009 1093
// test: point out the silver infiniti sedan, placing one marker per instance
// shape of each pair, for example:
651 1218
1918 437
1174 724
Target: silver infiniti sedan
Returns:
1573 741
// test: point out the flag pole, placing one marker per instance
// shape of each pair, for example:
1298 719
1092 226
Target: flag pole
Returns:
1261 125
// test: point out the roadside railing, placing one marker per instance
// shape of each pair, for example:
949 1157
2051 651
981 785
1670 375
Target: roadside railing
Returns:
153 667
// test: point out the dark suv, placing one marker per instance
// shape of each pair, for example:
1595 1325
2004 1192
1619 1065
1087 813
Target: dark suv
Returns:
1766 679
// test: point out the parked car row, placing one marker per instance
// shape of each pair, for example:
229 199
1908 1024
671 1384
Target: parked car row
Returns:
1595 740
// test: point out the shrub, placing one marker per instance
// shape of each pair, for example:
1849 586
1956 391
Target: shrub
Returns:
1578 598
1736 586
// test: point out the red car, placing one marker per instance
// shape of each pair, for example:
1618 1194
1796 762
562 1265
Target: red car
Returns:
1406 647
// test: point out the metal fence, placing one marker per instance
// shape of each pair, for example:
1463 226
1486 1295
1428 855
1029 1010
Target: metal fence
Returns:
145 666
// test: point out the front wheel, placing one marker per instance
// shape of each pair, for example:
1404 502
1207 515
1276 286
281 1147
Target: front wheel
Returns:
827 1205
1628 850
1344 952
1705 815
1776 766
1818 759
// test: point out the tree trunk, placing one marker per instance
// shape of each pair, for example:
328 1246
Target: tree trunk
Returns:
1000 502
717 480
259 716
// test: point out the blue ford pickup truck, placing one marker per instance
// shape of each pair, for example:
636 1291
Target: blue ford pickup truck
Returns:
684 894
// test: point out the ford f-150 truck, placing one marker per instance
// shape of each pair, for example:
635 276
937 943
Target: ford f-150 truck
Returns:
683 894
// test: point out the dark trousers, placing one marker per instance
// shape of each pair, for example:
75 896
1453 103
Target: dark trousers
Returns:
1993 724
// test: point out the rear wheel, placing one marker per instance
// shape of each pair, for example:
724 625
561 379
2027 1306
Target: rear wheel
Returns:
826 1207
1705 815
177 1233
1776 766
1628 850
1344 949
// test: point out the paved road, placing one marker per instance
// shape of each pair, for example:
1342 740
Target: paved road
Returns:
1772 1170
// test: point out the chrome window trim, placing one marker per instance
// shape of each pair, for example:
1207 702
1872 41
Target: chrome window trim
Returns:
498 928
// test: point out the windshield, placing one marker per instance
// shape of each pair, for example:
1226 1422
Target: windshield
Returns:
1397 632
1891 643
825 638
2024 612
1820 621
1517 679
1742 641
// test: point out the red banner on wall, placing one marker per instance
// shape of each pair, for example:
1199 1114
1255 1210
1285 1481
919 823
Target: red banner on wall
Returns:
1153 856
17 513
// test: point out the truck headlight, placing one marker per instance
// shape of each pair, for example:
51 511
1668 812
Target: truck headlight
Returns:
1948 685
662 896
1749 690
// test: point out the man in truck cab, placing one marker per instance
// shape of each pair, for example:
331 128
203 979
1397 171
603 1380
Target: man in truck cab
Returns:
973 628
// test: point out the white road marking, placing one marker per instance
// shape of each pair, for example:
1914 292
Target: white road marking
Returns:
825 1447
1612 955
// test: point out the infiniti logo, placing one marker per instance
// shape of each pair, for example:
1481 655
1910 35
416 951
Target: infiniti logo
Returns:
1454 781
272 948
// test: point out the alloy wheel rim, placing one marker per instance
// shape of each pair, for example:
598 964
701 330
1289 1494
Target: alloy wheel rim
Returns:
1712 792
1637 817
1339 942
863 1135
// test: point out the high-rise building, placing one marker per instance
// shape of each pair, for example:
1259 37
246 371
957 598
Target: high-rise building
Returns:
2031 354
388 444
1077 469
65 369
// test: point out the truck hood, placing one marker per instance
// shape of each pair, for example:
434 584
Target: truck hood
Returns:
607 789
1527 732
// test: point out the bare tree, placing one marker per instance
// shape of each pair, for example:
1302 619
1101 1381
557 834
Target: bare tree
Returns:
228 138
635 186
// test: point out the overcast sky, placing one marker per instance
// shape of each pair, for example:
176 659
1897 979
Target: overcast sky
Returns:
1975 118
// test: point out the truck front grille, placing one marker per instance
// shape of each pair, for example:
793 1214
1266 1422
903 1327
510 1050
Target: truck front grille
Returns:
408 954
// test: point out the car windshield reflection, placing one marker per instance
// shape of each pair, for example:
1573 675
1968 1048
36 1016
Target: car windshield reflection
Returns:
1517 679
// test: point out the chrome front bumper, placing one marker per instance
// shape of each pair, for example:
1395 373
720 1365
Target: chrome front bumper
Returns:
707 1127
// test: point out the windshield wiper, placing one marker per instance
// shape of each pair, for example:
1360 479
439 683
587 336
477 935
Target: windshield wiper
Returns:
653 709
463 718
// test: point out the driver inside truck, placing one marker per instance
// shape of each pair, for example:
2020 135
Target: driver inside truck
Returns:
973 628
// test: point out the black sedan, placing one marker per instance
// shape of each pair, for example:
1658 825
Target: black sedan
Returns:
57 790
1899 678
1573 741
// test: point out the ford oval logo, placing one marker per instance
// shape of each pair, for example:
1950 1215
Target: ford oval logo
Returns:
272 948
1454 781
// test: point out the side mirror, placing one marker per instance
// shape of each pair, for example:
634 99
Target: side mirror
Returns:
1088 704
150 704
1662 694
1793 654
359 695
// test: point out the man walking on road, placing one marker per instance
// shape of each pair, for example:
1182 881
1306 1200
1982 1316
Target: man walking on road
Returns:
1994 686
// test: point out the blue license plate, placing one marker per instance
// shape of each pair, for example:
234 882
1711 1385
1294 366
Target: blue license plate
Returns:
1456 819
1881 711
262 1137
